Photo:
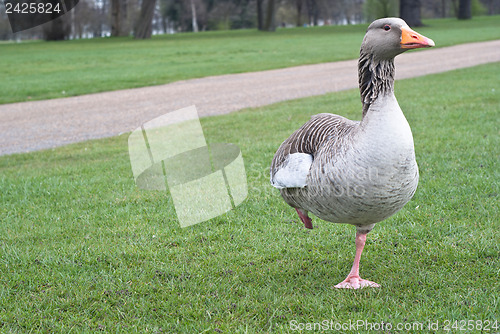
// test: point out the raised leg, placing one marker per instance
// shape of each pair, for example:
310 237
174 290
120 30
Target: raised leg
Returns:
353 280
305 218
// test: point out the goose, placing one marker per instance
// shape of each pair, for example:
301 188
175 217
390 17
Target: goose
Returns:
356 172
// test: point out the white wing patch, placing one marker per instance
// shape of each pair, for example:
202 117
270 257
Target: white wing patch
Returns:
294 172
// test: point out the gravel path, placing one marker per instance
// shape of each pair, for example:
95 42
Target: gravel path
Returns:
30 126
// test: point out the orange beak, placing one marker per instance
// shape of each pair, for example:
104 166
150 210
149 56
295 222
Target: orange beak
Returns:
413 40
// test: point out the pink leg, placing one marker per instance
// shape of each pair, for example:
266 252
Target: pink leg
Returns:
353 280
305 218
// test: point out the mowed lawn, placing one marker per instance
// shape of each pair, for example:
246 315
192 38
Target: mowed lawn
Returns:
39 70
83 250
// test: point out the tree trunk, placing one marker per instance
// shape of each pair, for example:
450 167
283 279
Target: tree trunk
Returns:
386 8
115 18
298 4
124 25
164 24
312 12
144 25
309 11
269 24
409 10
490 7
464 10
260 15
315 13
193 17
56 30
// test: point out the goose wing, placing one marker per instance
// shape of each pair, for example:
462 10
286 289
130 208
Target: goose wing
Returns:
294 158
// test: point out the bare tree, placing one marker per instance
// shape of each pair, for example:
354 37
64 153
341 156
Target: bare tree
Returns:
409 10
193 17
57 30
83 16
464 10
270 22
119 26
144 25
298 6
312 12
443 8
260 14
493 6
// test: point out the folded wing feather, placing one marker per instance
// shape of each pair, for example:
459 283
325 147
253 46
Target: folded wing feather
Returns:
293 160
293 173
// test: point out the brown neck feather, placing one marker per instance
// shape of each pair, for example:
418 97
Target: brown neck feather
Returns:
376 78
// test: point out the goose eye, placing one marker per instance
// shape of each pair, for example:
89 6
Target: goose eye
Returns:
387 27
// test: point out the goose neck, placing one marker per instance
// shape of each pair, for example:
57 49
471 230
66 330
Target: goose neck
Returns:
376 79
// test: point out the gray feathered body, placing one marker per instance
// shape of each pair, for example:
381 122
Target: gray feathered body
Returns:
360 173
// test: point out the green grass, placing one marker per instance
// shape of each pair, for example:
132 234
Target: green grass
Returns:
82 249
41 70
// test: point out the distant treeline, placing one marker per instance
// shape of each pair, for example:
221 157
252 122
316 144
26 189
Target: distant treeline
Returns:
142 18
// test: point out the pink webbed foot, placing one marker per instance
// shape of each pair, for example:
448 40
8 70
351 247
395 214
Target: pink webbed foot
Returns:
356 282
353 280
305 218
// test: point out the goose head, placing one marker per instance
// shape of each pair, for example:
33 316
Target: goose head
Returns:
386 38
